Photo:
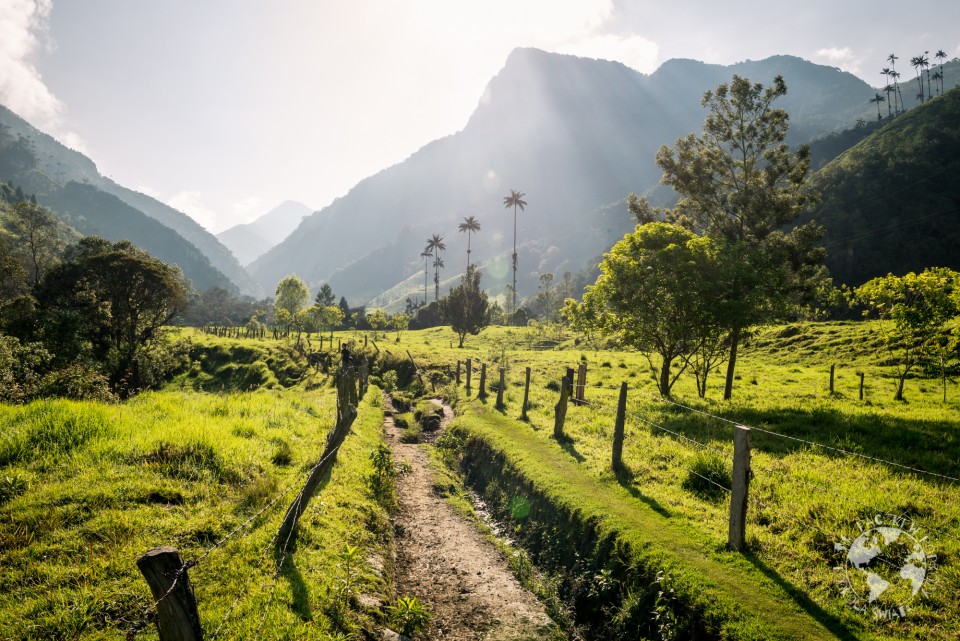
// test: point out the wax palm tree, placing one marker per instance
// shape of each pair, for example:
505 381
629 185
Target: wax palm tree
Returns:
925 63
886 74
437 266
897 96
917 63
515 199
425 254
878 99
469 225
937 80
941 55
435 245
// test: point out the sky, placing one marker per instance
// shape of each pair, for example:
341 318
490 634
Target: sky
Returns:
226 108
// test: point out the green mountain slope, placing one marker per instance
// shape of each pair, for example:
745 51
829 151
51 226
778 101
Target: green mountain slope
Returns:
53 166
891 203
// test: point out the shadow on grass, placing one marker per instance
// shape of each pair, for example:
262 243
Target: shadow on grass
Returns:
625 478
566 443
930 446
829 621
299 590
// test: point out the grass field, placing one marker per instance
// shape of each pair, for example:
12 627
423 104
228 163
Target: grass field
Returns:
86 488
91 487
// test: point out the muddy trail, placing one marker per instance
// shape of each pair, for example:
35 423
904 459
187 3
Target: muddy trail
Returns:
444 561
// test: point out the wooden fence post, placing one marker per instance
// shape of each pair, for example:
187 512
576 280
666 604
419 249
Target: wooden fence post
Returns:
469 373
618 428
526 397
581 384
483 381
832 370
861 385
503 372
458 373
560 409
177 617
741 485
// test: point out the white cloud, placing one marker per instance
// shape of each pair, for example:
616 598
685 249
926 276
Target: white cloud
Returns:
23 27
634 51
247 209
843 58
191 203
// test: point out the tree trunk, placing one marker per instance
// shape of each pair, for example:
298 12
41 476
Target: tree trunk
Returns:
731 364
665 377
899 395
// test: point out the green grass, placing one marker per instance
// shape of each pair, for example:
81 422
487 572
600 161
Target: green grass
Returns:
803 498
102 484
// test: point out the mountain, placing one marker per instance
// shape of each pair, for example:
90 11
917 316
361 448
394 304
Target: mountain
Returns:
248 241
576 135
53 166
891 203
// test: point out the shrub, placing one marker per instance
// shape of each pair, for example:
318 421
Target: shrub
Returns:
80 382
409 615
708 476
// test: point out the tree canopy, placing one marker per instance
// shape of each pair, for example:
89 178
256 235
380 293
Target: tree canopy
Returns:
466 308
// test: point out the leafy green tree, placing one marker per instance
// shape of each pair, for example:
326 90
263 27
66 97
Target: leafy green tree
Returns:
400 322
912 311
378 320
16 302
466 308
327 318
38 235
111 301
292 295
739 182
647 295
515 200
325 297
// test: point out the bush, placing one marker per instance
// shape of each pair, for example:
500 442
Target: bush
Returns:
80 382
708 476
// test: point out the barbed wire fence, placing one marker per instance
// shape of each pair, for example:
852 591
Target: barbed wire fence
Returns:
174 605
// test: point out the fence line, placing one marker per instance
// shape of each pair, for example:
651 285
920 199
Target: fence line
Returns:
352 384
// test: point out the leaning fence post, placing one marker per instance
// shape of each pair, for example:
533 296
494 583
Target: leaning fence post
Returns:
861 386
581 384
483 381
618 428
832 369
177 616
526 397
503 372
458 373
741 484
560 409
469 373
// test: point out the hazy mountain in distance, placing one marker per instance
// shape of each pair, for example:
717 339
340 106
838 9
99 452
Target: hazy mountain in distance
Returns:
57 165
576 135
248 241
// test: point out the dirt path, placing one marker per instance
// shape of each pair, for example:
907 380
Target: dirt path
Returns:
444 561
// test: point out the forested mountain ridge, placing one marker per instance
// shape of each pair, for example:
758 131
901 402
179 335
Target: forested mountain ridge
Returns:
891 203
44 166
576 135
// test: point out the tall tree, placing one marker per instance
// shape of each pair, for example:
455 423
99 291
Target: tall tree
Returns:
292 295
892 58
425 254
515 199
888 88
435 245
739 182
466 308
36 229
325 297
918 62
877 98
941 55
469 225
